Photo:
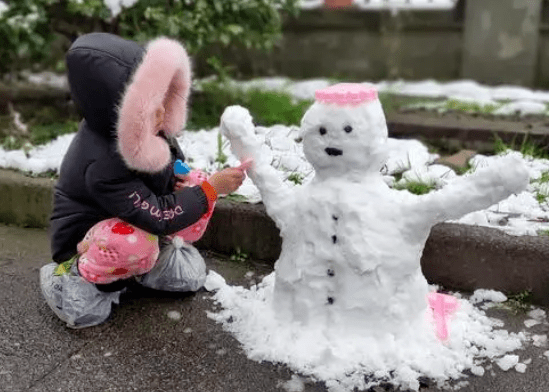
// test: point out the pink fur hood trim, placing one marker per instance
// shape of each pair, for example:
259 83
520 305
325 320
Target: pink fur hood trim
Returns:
163 78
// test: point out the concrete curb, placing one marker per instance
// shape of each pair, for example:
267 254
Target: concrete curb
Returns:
458 257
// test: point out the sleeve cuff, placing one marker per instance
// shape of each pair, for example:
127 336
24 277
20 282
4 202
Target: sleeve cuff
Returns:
209 190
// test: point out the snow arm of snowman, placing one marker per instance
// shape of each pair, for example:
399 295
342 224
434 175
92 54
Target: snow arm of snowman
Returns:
484 187
237 126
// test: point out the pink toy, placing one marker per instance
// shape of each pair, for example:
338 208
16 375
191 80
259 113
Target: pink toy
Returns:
346 94
113 249
442 306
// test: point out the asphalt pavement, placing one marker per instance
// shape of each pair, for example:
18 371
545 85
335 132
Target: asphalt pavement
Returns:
142 349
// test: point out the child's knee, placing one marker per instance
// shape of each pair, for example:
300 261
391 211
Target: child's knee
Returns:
114 250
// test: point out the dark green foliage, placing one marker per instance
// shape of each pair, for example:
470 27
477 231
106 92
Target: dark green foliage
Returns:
28 26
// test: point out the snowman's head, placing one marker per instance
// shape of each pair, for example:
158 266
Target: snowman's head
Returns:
345 131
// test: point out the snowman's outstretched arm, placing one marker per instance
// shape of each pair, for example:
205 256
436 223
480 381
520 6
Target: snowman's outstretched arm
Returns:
484 187
238 127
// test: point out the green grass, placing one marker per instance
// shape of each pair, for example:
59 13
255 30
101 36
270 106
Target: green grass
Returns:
544 178
416 187
221 157
541 198
526 147
239 256
266 107
518 303
235 197
469 107
393 103
296 178
469 168
42 134
38 135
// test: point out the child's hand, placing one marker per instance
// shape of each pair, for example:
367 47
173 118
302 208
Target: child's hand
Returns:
228 180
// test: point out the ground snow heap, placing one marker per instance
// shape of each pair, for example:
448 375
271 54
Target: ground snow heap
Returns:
347 302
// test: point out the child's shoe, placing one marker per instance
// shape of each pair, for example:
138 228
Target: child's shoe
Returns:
72 298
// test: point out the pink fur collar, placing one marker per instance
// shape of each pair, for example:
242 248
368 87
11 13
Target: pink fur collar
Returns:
162 78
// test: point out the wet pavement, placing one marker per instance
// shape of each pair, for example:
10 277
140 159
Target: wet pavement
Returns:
142 349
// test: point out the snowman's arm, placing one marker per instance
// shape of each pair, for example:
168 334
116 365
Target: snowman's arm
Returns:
486 186
238 127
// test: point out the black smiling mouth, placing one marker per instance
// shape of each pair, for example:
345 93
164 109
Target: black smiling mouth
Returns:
333 151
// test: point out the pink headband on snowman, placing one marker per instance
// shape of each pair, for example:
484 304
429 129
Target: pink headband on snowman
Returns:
346 94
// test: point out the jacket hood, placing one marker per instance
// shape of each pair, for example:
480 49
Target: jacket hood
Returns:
119 86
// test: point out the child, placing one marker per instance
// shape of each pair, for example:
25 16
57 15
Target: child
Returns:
117 191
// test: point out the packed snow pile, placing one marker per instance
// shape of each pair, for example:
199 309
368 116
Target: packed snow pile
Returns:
346 361
348 282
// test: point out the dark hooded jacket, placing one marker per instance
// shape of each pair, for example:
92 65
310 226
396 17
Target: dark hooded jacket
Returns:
118 165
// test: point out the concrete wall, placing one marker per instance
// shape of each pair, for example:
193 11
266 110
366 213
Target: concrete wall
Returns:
492 41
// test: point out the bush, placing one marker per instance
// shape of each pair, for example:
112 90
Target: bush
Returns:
27 26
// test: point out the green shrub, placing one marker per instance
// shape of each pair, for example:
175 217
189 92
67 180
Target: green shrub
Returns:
27 27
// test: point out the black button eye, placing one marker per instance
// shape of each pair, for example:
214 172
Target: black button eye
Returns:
348 129
322 131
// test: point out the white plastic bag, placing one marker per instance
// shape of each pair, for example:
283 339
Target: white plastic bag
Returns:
73 299
179 268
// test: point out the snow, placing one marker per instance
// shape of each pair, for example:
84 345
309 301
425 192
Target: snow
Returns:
477 371
531 322
520 367
340 360
388 4
295 384
509 100
47 78
174 315
522 107
507 362
539 340
538 314
482 295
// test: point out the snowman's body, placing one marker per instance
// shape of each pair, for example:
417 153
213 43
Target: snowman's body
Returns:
339 267
351 246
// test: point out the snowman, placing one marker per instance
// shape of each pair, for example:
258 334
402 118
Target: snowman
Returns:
351 245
